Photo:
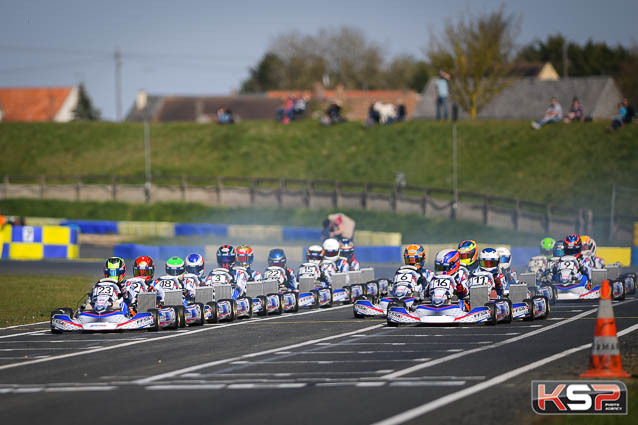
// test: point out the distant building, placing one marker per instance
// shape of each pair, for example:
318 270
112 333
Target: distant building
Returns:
529 97
159 108
543 71
38 104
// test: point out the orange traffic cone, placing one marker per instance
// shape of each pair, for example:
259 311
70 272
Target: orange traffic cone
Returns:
605 361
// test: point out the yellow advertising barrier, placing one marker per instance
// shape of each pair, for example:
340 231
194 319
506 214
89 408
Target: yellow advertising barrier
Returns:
38 242
613 254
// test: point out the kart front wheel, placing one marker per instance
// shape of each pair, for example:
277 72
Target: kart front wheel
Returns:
492 319
202 314
530 308
155 316
214 313
264 305
180 316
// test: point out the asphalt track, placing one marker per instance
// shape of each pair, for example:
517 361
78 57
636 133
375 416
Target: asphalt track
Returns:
316 367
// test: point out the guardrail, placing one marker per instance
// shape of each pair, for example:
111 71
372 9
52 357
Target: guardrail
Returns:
508 213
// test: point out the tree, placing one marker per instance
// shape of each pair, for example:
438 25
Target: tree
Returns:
84 110
405 72
476 53
593 58
267 75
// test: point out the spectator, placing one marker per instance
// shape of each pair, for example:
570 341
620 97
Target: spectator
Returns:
401 112
328 228
553 114
333 114
441 94
373 116
575 112
630 112
619 119
286 113
300 106
224 116
387 112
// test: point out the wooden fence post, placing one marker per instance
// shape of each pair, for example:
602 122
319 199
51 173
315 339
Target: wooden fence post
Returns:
548 219
43 183
280 193
5 186
309 189
517 215
114 189
337 197
486 211
364 197
218 189
78 188
253 190
183 187
426 203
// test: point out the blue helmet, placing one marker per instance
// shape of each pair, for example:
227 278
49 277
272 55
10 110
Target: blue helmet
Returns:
277 257
195 265
559 249
226 256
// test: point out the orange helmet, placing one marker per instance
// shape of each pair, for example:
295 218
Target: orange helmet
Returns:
414 255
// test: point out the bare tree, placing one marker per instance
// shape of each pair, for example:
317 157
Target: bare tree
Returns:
476 51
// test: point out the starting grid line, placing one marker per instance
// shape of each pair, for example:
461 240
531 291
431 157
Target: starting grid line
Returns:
227 386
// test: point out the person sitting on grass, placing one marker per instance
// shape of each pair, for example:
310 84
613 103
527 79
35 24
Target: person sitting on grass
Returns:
575 112
619 119
553 114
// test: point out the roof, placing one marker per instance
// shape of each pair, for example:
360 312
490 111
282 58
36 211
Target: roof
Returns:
32 104
528 98
204 108
541 70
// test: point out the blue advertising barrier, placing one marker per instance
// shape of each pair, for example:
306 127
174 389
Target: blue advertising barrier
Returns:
521 255
301 233
93 226
190 229
379 254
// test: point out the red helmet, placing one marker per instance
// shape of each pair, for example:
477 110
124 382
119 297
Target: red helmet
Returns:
573 244
144 268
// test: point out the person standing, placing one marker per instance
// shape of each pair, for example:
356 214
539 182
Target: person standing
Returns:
441 93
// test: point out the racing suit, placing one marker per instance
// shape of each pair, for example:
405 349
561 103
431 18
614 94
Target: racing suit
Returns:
510 276
106 283
285 276
253 275
460 282
343 266
422 277
328 268
501 285
165 283
190 282
132 288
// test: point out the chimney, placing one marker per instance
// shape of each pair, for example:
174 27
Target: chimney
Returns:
142 100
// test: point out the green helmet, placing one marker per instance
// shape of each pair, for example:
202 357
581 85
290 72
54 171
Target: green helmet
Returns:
547 247
175 266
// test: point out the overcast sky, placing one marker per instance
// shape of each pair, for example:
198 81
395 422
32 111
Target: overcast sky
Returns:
207 46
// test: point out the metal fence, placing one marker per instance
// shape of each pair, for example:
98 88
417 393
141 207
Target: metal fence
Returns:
501 212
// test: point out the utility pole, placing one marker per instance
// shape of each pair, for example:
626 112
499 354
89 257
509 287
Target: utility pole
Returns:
147 159
118 84
612 212
455 183
565 61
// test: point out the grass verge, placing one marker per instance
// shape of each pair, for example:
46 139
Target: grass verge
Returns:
28 299
413 227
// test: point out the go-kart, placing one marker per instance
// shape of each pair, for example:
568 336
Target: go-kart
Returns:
569 286
104 313
402 293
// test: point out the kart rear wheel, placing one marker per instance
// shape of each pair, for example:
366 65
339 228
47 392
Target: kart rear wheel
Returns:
180 313
214 312
202 315
264 303
508 319
296 308
68 311
280 308
530 308
155 316
492 309
53 313
315 295
233 310
348 290
250 307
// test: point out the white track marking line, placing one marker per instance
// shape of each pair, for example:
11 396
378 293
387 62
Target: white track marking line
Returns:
450 398
26 324
173 335
24 333
251 355
484 348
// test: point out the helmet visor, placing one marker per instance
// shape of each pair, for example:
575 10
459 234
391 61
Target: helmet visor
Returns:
442 268
505 259
467 255
488 264
244 259
143 272
175 271
114 273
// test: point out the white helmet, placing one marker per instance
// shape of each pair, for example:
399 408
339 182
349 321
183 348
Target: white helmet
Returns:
314 254
330 250
488 260
504 257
